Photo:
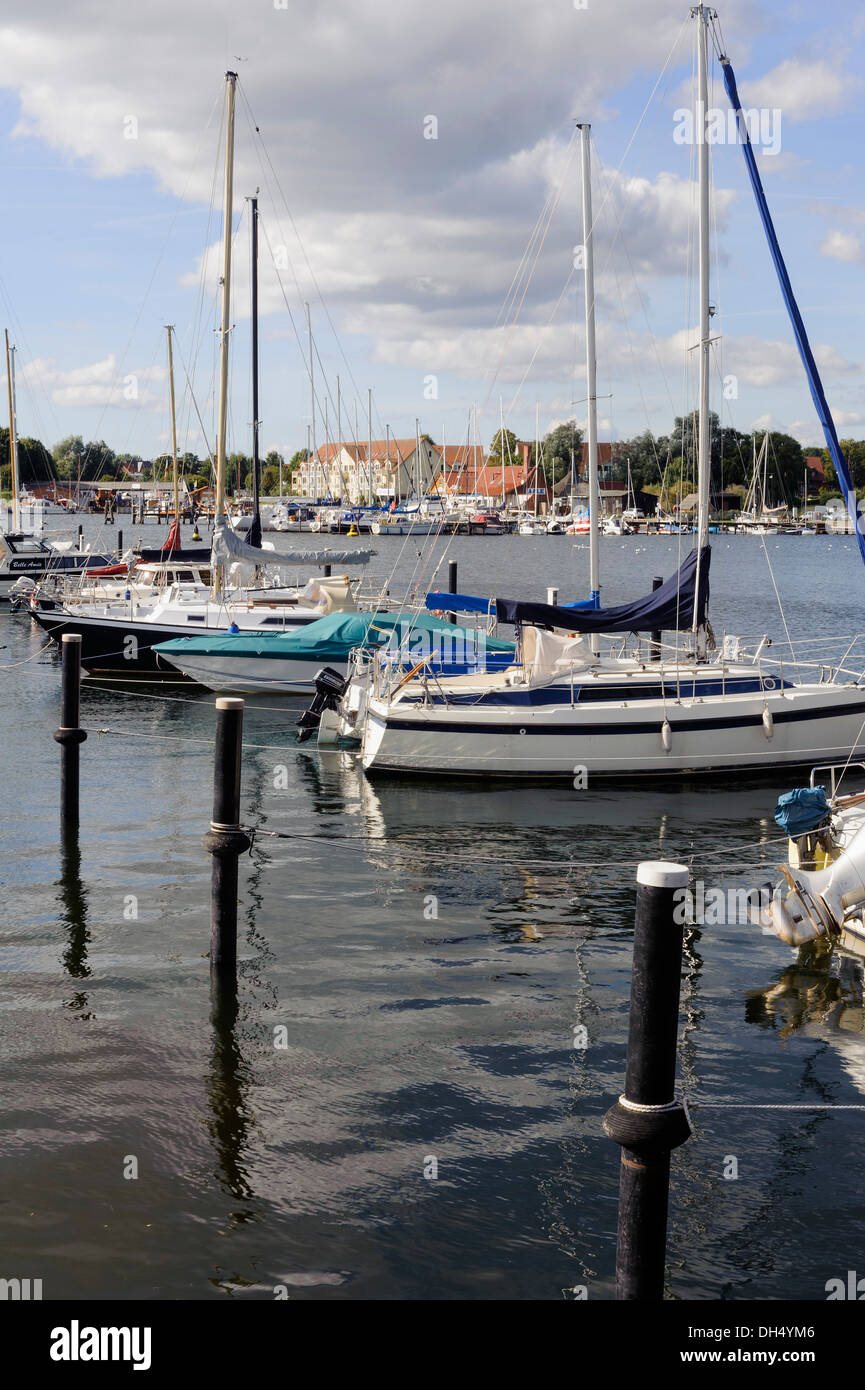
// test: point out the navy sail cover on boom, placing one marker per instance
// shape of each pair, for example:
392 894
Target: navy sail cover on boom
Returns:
671 606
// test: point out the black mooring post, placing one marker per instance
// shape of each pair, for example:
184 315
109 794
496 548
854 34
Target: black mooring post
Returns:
452 585
80 534
119 542
646 1120
327 571
226 840
69 735
656 635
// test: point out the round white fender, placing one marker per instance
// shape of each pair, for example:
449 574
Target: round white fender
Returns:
768 723
666 735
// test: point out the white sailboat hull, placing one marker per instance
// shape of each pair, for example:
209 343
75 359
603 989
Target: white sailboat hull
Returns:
276 676
717 733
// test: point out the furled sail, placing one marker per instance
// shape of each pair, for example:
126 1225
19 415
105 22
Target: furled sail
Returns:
669 607
821 405
229 548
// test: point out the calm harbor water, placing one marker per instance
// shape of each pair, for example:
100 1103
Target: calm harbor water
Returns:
423 952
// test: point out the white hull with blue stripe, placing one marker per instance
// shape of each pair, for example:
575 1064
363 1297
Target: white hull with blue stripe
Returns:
615 724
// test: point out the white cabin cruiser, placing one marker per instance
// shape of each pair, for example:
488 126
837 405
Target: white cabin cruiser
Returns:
33 558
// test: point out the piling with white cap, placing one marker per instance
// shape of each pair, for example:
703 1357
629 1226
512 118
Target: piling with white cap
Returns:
226 840
69 735
647 1120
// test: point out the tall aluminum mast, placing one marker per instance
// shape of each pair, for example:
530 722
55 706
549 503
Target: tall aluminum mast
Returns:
702 13
591 366
219 504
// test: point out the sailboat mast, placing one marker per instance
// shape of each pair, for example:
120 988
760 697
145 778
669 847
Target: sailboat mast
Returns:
219 501
312 400
591 366
339 434
704 429
537 450
13 432
502 445
253 535
369 441
173 428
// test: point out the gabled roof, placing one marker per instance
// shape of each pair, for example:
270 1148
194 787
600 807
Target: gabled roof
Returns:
383 451
489 481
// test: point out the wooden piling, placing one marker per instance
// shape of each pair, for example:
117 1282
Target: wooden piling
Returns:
226 840
70 736
647 1121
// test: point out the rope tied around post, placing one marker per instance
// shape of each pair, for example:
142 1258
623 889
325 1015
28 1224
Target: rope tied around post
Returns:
648 1128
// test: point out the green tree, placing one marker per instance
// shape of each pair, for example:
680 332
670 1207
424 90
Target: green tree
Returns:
505 449
35 464
68 454
270 480
238 472
562 449
785 468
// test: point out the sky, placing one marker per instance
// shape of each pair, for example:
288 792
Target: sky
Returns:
419 187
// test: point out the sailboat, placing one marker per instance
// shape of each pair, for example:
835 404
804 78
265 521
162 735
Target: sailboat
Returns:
119 638
659 710
26 558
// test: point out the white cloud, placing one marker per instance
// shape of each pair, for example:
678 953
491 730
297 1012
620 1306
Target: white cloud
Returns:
803 89
95 384
842 246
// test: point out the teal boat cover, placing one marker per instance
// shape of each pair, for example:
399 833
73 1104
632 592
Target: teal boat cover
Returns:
333 637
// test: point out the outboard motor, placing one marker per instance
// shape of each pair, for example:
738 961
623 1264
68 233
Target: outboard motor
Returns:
330 687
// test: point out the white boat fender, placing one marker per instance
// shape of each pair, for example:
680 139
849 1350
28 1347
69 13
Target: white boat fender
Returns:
768 723
666 735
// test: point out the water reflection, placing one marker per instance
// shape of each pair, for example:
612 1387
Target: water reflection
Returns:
229 1078
822 989
72 897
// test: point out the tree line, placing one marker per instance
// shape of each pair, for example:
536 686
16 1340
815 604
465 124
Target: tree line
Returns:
73 460
659 464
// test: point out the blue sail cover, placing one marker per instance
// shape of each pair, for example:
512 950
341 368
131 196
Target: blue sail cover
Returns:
671 606
824 414
468 603
458 603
